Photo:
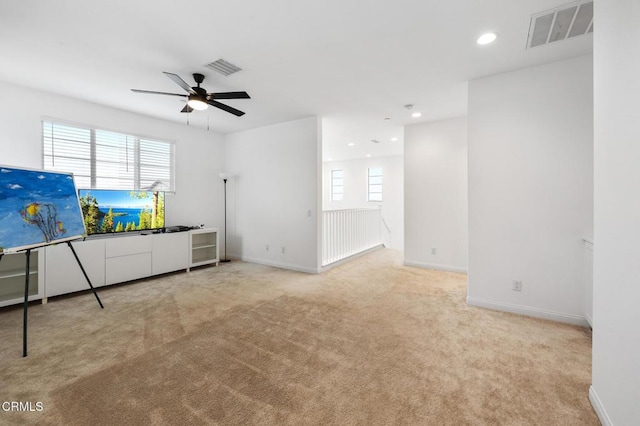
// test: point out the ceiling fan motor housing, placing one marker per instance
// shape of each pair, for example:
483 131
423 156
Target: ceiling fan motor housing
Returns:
199 78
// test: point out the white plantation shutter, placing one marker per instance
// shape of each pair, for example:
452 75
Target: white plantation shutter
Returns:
156 165
67 149
101 159
115 161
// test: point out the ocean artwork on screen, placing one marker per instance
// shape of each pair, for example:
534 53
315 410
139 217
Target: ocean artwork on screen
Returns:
37 208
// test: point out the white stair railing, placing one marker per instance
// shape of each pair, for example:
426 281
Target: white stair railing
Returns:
349 232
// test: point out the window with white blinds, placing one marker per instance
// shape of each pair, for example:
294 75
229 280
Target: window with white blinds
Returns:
100 159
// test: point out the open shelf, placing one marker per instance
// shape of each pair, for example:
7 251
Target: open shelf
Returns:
203 247
12 278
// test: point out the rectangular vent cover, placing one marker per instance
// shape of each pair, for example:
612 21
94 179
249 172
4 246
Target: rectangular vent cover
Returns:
223 67
565 22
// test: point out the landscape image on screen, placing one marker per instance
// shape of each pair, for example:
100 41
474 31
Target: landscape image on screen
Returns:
107 211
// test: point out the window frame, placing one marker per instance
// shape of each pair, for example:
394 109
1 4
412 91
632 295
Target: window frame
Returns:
370 185
334 194
99 139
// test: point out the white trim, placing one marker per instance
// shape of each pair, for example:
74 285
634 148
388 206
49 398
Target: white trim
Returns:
86 126
274 264
349 258
529 311
599 408
435 266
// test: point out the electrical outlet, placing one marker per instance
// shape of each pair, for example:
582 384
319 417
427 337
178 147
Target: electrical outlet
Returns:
282 250
517 285
434 250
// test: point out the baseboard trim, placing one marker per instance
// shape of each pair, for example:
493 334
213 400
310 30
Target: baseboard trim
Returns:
288 266
528 311
599 408
435 266
350 258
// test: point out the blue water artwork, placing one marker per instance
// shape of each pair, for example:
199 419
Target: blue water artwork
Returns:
37 208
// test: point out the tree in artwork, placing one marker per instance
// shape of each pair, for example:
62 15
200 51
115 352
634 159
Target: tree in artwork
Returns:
91 213
155 217
107 222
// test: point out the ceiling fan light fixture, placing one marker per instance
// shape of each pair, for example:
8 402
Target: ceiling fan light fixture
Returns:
486 38
196 103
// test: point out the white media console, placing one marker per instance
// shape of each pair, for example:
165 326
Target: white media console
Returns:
108 259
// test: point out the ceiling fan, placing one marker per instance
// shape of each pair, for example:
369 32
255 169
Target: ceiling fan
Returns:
197 97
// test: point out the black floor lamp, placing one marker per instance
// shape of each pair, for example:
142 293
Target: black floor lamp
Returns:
225 177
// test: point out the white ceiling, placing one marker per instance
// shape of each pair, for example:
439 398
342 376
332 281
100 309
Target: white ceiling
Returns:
352 62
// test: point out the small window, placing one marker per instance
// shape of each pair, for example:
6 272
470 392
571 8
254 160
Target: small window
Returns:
337 185
374 183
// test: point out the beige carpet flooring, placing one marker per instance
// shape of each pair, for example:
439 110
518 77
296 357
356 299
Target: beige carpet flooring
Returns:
370 342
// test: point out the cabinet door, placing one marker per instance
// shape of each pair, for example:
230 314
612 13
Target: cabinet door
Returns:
170 252
63 274
12 277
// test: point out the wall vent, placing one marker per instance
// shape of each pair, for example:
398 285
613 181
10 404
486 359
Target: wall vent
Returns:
571 20
223 67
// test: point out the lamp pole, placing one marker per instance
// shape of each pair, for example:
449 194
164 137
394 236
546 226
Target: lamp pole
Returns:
224 177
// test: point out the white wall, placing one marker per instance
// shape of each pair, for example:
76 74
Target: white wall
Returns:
274 196
199 153
355 192
531 188
616 316
435 167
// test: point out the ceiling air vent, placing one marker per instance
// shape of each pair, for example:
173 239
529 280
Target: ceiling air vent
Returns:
223 67
565 22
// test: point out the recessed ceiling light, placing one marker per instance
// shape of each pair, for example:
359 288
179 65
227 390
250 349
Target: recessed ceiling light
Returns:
368 155
351 144
394 139
416 114
487 38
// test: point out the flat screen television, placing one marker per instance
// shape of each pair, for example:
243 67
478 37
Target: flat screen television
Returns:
109 211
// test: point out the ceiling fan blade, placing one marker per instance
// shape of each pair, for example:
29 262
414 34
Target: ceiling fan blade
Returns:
225 107
179 81
158 93
229 95
187 109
